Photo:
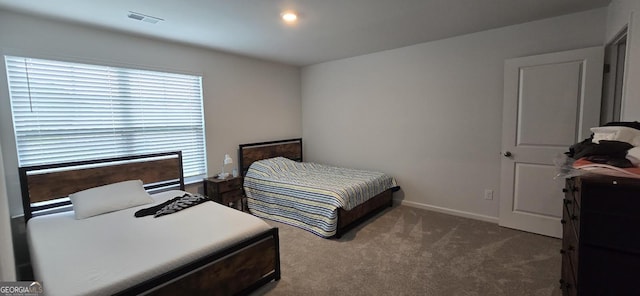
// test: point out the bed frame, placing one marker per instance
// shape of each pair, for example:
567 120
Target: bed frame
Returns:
236 270
292 149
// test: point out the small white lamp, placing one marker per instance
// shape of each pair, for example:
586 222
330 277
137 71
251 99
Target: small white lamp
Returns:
227 160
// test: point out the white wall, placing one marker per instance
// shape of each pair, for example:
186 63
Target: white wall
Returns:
7 262
623 13
245 100
430 114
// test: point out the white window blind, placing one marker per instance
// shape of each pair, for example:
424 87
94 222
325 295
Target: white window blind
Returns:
68 112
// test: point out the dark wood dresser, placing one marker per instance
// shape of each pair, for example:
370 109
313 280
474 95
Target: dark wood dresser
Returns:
601 236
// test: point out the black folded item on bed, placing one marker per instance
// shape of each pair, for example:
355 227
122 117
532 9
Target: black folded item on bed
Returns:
173 205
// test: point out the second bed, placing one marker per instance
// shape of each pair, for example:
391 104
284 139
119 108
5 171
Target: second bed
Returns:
324 200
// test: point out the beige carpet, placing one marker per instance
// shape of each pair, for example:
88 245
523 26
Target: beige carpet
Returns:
408 251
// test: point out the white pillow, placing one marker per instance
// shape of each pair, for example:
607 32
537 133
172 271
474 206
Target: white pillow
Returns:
633 155
616 133
109 198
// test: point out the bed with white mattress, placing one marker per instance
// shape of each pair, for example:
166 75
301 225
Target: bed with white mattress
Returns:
204 249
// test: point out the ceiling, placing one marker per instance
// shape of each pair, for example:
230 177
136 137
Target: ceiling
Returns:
326 29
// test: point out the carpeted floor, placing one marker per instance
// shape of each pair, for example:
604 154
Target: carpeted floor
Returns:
409 251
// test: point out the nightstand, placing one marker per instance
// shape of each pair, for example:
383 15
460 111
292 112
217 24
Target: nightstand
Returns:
225 191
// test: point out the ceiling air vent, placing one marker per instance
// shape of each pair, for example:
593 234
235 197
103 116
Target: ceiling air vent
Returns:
143 17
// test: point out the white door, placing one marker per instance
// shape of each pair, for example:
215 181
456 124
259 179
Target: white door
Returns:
550 102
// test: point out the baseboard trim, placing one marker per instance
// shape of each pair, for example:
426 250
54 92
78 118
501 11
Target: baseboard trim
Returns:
449 211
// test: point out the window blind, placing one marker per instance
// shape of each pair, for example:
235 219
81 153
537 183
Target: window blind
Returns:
68 112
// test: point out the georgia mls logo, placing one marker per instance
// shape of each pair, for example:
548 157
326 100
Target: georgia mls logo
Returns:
21 289
36 288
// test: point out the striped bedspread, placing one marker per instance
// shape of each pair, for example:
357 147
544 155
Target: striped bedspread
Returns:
307 195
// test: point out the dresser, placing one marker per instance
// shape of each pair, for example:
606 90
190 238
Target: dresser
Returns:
225 191
601 236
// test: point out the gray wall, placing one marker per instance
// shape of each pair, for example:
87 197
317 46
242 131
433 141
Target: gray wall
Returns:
245 100
7 261
430 114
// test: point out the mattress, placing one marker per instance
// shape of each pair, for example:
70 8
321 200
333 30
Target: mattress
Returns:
308 195
108 253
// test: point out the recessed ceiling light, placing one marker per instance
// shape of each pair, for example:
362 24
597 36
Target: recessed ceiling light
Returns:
289 16
143 17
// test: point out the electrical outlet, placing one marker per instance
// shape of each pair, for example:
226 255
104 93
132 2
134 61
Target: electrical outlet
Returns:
488 194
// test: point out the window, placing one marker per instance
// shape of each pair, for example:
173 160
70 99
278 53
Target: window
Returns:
68 112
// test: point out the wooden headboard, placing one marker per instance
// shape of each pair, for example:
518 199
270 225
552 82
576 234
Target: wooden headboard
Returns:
56 181
248 153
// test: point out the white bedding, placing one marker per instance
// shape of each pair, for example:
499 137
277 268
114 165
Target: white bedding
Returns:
108 253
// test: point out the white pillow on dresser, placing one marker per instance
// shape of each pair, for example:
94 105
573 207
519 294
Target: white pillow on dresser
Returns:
108 198
616 133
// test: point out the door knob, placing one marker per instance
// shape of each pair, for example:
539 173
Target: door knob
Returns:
508 154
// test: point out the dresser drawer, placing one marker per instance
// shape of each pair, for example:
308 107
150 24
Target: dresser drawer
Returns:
568 281
609 272
572 204
571 217
622 236
231 184
611 213
231 196
572 191
617 200
570 246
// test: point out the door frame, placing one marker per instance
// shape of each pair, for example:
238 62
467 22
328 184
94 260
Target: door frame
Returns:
615 56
